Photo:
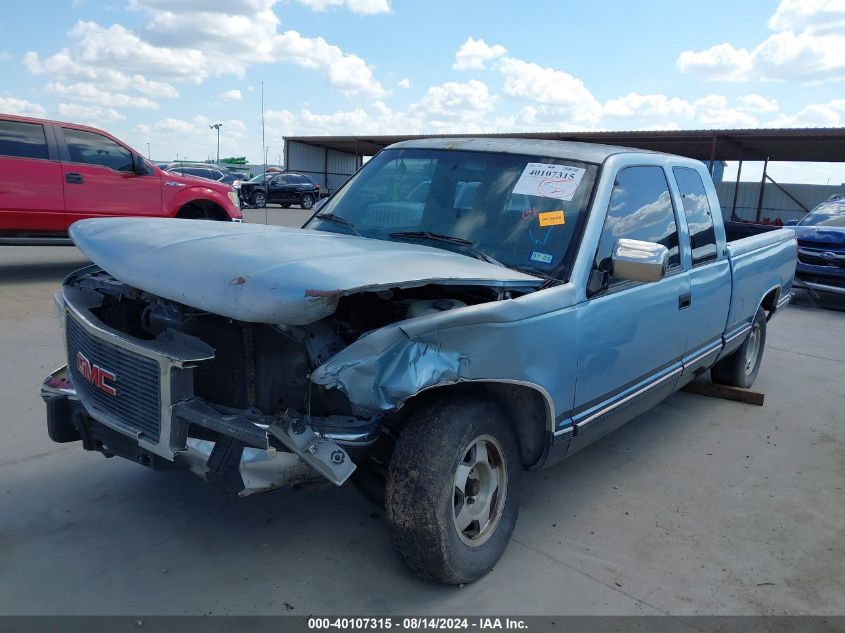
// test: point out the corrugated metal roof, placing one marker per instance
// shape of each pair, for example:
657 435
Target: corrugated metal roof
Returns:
793 144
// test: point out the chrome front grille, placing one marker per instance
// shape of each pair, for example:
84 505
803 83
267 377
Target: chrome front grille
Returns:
136 401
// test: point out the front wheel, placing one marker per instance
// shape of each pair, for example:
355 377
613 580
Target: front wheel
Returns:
452 495
740 369
307 201
259 199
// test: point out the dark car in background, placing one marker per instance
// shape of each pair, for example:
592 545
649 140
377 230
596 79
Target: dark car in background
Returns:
285 189
821 246
211 172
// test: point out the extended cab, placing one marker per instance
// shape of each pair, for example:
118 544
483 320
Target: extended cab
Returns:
52 174
459 311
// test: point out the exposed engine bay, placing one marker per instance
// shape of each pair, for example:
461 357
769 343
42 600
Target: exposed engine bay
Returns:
267 367
247 396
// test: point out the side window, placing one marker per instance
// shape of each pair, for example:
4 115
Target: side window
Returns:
640 209
96 149
24 140
698 214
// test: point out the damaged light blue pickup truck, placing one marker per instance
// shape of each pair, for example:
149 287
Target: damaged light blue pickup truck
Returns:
460 311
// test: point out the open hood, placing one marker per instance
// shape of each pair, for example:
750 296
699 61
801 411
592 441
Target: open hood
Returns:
270 274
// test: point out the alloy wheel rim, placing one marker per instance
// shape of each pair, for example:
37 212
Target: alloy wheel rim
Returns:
752 349
480 489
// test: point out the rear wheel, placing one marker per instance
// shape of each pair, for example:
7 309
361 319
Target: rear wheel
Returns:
259 199
452 493
307 201
740 369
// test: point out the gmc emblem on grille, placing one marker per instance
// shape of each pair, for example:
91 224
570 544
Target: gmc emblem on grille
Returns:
95 374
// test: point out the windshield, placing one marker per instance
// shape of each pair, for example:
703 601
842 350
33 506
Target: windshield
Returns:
259 178
829 213
522 211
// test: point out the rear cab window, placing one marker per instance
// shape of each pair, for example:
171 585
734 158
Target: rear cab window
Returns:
95 149
23 140
698 214
640 209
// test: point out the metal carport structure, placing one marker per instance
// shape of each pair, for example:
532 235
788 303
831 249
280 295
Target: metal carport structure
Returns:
332 159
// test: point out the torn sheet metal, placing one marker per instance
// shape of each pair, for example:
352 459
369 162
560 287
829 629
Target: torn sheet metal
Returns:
270 274
500 341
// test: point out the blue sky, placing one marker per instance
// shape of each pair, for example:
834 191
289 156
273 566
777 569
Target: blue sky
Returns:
160 71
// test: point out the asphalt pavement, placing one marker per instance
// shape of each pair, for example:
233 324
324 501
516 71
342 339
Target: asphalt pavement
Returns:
700 506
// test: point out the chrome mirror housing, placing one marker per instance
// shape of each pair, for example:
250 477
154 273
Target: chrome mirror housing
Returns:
636 260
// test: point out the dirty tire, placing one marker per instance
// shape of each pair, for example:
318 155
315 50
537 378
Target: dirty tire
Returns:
259 199
422 497
307 201
741 367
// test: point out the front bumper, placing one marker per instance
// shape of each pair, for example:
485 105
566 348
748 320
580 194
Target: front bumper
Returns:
242 459
146 411
820 277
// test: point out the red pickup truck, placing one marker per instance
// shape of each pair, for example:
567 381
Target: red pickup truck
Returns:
52 174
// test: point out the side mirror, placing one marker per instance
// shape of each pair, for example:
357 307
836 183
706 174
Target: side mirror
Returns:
140 165
636 260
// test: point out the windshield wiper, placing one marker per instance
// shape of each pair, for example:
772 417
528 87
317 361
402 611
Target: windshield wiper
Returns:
331 217
442 237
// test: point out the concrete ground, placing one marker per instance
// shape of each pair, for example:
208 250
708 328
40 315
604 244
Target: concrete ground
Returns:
701 506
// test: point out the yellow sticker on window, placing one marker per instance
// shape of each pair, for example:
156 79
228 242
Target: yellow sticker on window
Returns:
552 218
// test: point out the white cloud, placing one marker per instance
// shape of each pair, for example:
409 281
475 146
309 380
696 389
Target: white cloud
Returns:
808 45
366 7
723 62
818 15
231 95
815 115
470 100
758 103
727 118
475 53
527 81
346 72
404 83
22 107
90 93
89 114
189 41
649 107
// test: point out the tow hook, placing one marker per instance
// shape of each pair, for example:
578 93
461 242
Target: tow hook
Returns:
325 456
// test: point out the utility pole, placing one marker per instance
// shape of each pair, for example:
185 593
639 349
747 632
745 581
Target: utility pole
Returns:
263 145
217 127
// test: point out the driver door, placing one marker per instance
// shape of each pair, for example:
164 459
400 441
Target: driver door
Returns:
631 335
100 179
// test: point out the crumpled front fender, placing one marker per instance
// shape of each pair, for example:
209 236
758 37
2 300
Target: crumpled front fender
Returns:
384 368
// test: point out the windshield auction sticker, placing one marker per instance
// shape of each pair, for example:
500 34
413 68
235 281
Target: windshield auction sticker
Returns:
549 181
551 218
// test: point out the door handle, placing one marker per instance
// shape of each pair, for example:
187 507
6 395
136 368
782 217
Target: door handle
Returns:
73 178
684 301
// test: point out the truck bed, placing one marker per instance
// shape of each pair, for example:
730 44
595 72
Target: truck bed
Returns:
760 265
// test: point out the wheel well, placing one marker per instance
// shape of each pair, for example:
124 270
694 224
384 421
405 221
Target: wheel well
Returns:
202 210
770 302
525 408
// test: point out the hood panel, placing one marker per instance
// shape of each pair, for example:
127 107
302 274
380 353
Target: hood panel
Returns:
269 274
820 236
